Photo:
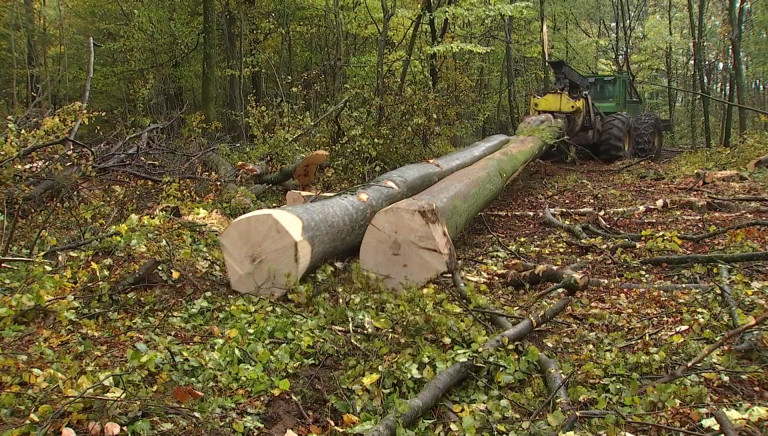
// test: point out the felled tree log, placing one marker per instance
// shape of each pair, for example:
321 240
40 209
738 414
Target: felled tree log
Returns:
267 250
410 243
293 198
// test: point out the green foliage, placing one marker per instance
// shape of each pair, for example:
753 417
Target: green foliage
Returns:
717 159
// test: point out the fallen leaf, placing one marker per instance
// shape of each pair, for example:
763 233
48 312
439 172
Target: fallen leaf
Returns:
111 429
371 379
290 432
182 394
315 429
350 420
66 431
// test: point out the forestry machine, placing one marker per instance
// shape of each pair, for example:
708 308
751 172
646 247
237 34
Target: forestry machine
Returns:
603 114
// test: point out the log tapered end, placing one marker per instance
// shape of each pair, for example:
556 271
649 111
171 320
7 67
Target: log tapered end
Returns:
407 244
265 252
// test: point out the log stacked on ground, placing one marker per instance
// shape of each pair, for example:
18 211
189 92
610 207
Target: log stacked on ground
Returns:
267 250
410 243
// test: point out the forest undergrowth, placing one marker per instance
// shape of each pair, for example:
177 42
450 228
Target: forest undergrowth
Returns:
117 310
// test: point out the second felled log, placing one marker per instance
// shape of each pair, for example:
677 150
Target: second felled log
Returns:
410 242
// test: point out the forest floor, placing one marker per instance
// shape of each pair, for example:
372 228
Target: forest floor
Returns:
178 352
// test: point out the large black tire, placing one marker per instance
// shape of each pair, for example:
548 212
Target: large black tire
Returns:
649 139
616 141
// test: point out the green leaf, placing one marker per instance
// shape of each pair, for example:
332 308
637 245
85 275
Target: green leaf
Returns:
382 323
238 426
556 418
284 384
371 379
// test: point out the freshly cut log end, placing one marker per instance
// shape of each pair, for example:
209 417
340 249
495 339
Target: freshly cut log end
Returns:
407 244
294 198
306 169
265 266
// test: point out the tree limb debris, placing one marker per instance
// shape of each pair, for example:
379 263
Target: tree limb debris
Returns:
458 372
726 426
77 244
574 229
522 273
557 386
139 276
680 372
706 258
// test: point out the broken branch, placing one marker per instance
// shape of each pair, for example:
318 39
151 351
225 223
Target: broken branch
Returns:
680 372
706 258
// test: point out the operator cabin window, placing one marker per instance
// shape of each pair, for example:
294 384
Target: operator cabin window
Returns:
603 90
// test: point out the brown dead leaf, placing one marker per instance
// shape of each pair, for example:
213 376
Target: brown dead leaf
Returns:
182 394
66 431
350 420
315 429
111 429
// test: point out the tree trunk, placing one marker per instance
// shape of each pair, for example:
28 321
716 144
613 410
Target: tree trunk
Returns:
728 118
410 242
544 47
382 51
268 250
698 65
671 95
510 69
409 51
736 19
14 72
433 74
32 61
231 50
209 47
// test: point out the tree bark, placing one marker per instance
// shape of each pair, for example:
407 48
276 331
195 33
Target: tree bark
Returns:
671 95
698 64
268 250
32 59
510 70
736 20
707 258
544 47
209 47
409 51
410 243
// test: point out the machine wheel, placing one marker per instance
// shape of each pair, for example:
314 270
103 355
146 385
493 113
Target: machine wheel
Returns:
649 138
616 141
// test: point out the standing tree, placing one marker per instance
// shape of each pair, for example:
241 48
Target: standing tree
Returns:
736 21
697 33
208 98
